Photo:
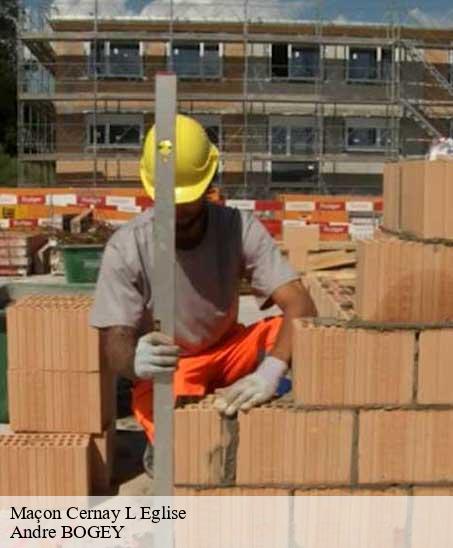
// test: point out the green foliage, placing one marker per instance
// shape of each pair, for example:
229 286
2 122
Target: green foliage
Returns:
8 102
8 169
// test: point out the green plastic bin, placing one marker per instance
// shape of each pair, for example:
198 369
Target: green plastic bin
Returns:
3 367
82 262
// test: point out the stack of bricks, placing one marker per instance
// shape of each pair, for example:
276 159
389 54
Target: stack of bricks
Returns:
57 390
17 250
408 277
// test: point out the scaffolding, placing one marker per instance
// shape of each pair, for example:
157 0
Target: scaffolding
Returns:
64 80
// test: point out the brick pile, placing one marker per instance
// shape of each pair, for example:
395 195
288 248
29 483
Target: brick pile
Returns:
17 250
57 387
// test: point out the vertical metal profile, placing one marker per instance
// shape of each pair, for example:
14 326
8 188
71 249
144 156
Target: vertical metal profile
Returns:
164 274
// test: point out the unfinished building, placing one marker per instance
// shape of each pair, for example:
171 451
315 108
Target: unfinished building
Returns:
294 106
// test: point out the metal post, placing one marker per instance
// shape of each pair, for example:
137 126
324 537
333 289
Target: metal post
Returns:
245 99
171 31
20 84
164 274
95 93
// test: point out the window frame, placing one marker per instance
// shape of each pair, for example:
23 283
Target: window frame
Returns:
107 120
380 65
201 55
107 73
317 75
289 53
379 126
289 124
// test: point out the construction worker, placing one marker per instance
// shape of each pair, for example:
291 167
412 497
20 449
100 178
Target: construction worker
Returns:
216 247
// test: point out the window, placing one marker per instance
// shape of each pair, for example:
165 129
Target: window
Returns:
279 60
304 62
292 136
98 59
115 130
294 172
125 59
302 140
195 60
294 61
363 64
365 135
279 140
115 59
386 65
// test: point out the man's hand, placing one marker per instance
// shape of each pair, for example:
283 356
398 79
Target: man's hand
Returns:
155 352
256 388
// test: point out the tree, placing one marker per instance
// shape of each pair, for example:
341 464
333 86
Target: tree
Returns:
8 89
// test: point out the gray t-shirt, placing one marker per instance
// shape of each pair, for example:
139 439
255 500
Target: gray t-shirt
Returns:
207 277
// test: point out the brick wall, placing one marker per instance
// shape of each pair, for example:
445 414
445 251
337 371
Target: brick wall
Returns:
371 412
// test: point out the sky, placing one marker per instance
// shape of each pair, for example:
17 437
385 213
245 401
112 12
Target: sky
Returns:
435 13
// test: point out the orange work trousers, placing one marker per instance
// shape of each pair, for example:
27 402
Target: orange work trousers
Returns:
236 356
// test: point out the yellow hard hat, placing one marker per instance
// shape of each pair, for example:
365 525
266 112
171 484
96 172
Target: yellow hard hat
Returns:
195 165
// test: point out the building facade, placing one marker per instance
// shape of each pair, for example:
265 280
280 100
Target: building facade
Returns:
293 107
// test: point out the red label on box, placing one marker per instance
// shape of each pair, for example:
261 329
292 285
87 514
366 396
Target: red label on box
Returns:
268 205
334 229
331 206
273 226
143 201
91 201
32 200
24 223
379 205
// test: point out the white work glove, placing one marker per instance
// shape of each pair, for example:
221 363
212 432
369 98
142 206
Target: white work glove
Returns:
258 387
154 353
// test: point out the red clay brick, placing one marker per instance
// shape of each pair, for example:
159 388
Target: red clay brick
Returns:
337 366
318 447
202 439
52 333
43 464
60 401
426 198
405 446
435 375
404 281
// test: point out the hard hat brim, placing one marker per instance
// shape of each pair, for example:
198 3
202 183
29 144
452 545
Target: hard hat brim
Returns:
184 195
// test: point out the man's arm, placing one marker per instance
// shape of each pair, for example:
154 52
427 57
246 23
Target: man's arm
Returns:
118 345
137 358
295 302
260 386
